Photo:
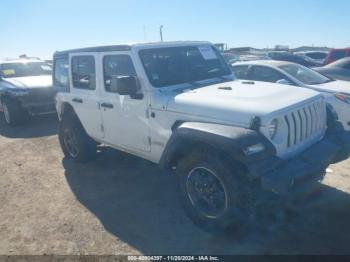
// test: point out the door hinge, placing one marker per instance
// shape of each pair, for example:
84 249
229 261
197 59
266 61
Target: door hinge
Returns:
149 140
102 128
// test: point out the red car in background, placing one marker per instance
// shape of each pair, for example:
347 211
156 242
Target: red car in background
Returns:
336 54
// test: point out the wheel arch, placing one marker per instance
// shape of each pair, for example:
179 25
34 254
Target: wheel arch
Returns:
228 141
66 110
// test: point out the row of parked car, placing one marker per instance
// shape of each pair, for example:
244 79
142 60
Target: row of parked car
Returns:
305 58
232 143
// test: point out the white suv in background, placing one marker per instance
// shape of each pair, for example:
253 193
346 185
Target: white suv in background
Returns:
177 104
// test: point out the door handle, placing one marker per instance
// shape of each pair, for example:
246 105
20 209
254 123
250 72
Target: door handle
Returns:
107 105
77 100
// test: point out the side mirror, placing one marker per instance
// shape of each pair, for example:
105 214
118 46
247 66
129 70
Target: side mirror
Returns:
284 82
125 85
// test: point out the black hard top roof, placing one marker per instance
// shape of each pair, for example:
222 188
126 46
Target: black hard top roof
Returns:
94 49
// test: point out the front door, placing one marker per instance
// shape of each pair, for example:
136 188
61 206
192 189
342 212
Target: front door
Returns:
124 118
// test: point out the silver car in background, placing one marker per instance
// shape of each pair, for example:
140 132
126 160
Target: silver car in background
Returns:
339 69
336 92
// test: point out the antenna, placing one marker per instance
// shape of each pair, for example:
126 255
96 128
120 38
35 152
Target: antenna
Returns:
144 33
161 33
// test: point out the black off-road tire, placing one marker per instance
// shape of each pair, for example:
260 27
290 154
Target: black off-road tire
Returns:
14 114
86 147
238 191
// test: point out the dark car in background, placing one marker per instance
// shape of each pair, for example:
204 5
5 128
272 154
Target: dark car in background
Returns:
339 69
317 57
285 56
336 54
25 89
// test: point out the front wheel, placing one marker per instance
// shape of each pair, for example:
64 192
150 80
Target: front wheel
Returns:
74 141
13 113
214 192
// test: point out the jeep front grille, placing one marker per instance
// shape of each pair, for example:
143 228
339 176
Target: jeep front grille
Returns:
305 123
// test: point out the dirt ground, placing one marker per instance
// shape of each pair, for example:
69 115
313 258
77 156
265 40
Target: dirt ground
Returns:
119 204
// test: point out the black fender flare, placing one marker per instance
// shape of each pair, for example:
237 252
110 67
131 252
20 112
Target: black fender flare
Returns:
228 139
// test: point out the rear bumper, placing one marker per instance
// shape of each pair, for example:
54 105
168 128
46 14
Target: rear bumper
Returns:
284 177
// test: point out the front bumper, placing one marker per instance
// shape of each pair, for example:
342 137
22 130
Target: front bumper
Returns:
284 177
40 108
38 101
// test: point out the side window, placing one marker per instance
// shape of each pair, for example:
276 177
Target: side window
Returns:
347 65
116 65
241 72
337 54
83 72
266 74
60 74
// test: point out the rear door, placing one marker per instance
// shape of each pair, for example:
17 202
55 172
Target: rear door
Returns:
84 94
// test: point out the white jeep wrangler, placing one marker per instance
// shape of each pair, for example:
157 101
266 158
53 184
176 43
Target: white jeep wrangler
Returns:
177 104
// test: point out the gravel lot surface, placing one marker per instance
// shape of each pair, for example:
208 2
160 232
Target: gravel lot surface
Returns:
119 204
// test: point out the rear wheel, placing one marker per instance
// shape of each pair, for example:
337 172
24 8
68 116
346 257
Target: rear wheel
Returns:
13 113
74 141
214 192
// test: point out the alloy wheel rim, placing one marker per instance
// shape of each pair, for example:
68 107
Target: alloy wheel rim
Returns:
206 192
7 114
71 143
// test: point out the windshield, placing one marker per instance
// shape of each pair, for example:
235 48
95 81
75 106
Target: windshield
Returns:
230 57
304 74
9 70
317 55
178 65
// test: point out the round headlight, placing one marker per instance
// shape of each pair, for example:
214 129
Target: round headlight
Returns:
272 128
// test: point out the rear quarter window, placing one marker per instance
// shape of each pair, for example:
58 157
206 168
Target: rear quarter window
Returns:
61 74
240 72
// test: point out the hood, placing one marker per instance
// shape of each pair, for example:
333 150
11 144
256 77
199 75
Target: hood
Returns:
237 102
31 81
336 86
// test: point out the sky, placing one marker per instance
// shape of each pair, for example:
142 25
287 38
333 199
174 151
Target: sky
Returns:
39 28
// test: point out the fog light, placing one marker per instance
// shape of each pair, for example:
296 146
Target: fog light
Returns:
250 150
